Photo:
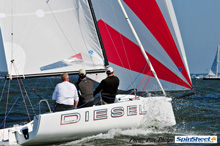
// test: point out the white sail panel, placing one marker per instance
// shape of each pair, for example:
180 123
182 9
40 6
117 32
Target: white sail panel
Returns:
214 68
118 40
212 71
3 66
46 37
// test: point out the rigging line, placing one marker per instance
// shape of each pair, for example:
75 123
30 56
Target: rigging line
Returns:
51 82
60 27
10 109
92 99
112 42
145 86
113 10
16 71
3 90
143 69
12 30
28 98
93 81
23 97
140 83
142 90
6 106
147 75
138 75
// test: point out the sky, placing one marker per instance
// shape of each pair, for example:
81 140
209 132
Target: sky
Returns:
199 22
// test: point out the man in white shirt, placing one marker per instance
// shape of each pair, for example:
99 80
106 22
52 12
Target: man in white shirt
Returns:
65 94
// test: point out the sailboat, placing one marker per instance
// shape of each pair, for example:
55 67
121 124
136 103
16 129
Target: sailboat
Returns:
213 72
41 38
195 77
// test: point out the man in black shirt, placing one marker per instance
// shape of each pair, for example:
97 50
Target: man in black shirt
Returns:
85 90
108 86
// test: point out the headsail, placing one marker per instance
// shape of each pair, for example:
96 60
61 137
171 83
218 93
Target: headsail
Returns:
47 37
158 30
3 66
214 69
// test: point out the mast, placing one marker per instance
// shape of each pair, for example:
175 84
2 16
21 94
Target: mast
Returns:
217 61
140 45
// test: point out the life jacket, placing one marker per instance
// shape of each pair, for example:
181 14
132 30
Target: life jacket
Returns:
85 90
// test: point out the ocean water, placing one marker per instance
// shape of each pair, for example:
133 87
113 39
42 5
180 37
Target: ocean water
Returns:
198 114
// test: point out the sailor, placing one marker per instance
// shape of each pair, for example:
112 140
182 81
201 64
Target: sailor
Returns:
108 86
65 94
85 90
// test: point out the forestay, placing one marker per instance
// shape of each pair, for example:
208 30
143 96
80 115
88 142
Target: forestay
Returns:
48 37
156 25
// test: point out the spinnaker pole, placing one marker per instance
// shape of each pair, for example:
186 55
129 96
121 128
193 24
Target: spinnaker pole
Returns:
140 45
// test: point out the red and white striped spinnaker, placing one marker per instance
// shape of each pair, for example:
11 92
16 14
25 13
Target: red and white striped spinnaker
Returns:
157 28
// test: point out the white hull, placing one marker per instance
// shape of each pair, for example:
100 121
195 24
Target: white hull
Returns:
74 124
211 78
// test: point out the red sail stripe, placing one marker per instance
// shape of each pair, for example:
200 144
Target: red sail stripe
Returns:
113 46
78 56
149 13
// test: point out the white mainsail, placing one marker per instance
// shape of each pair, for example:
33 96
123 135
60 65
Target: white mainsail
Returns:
46 37
156 25
214 69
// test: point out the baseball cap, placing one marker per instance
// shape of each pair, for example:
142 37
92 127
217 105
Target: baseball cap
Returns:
82 72
109 70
